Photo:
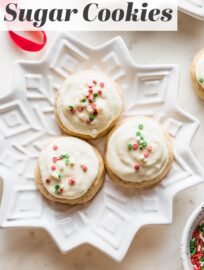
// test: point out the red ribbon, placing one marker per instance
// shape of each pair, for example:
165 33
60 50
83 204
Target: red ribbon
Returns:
27 44
22 42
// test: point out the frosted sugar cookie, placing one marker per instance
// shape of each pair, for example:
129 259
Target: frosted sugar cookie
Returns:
138 153
69 171
88 104
197 73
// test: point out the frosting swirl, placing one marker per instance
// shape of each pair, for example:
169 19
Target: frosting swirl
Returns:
200 71
88 103
137 150
68 167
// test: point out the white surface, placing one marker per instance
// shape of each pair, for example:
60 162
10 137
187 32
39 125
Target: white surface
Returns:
150 248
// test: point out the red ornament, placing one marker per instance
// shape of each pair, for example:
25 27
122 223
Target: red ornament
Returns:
135 146
55 147
71 181
94 82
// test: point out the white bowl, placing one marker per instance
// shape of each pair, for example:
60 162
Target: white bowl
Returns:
193 221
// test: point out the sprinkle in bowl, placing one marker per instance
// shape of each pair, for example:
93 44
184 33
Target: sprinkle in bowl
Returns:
192 241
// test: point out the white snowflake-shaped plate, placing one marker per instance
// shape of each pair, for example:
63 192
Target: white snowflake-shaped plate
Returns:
194 8
111 220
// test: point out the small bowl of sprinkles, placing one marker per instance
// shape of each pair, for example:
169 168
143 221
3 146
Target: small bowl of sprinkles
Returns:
192 241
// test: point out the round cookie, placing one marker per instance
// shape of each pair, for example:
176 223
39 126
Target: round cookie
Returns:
88 104
197 73
139 153
69 171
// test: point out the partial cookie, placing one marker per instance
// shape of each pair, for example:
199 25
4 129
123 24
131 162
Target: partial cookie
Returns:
88 104
197 73
139 153
69 171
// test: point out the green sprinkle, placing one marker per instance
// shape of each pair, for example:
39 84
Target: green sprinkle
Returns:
202 259
200 228
141 147
57 187
201 80
91 117
95 95
142 137
59 176
65 156
192 242
138 133
144 144
71 107
83 100
129 146
193 251
141 126
66 161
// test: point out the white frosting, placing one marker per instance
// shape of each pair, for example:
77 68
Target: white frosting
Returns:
75 89
122 161
80 154
200 71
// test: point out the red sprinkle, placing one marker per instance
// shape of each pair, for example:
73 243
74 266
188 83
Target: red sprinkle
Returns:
84 168
135 146
102 85
55 147
137 167
88 121
150 148
47 181
71 181
90 86
60 190
90 99
55 159
146 155
100 92
73 111
95 112
93 105
53 168
90 91
80 109
94 82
